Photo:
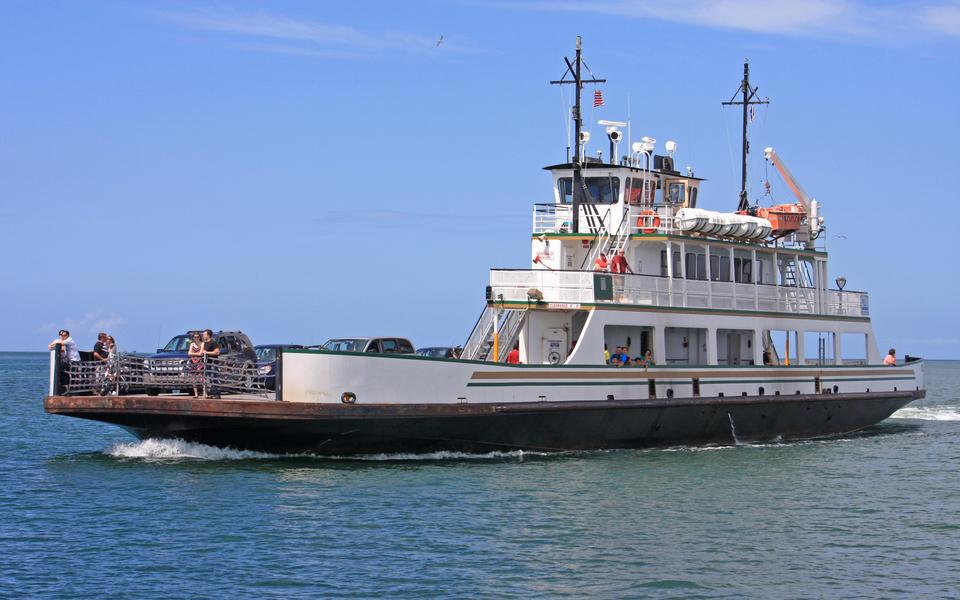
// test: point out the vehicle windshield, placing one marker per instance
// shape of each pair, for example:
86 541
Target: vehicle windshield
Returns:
180 343
440 352
266 353
346 344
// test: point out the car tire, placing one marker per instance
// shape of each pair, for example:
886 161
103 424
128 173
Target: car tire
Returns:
152 391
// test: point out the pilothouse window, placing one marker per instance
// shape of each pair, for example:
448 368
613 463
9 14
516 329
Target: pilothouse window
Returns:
636 194
675 192
599 190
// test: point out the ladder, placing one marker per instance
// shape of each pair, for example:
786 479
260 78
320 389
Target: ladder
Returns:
791 275
607 243
479 345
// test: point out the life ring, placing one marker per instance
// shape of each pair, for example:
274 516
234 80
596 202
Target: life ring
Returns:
648 221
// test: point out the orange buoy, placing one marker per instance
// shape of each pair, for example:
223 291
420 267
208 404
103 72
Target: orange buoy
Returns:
648 221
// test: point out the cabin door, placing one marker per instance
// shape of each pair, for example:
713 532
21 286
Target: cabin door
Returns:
733 348
554 346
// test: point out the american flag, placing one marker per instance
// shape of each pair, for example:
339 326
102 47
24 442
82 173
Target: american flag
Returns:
597 99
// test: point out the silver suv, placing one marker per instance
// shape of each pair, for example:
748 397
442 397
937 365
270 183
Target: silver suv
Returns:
378 345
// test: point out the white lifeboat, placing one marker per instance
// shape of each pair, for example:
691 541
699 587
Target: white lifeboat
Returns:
697 220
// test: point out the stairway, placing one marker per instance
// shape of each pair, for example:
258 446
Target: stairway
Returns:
479 345
609 243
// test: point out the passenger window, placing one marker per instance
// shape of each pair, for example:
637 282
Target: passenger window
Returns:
720 268
407 348
696 266
389 345
374 346
224 345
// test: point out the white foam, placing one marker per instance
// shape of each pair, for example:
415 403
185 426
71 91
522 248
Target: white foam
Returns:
154 449
445 455
174 449
928 413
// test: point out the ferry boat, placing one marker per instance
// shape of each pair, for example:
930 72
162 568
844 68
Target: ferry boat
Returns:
727 304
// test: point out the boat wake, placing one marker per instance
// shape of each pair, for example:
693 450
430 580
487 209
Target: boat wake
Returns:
928 413
154 449
170 450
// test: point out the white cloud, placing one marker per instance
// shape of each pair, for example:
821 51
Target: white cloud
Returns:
944 19
282 34
786 17
92 322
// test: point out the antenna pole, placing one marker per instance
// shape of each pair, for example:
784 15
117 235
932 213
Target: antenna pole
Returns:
580 194
745 149
749 95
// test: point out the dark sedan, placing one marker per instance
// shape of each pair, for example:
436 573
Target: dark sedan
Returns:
267 363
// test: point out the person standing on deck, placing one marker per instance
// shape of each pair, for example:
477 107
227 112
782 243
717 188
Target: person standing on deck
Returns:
514 357
100 350
69 355
211 353
648 359
600 264
890 360
619 264
195 363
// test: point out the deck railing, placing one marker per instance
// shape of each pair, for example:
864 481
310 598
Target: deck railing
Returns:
128 374
579 287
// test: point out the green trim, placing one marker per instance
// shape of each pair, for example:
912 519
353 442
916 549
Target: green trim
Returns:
673 236
709 311
397 356
577 383
668 382
580 365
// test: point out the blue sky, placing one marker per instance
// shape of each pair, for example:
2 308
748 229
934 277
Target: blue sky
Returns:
302 170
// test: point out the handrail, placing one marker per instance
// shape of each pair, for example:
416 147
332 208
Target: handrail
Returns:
577 286
127 374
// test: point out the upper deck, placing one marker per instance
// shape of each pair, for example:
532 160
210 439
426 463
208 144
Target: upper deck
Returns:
679 255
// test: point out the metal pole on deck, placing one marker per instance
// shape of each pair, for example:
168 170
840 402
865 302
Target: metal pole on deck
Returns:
278 376
57 372
496 335
788 349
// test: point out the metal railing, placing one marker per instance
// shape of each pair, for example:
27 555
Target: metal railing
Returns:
566 287
127 374
552 218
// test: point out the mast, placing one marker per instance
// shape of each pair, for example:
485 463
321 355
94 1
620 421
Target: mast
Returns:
749 95
579 190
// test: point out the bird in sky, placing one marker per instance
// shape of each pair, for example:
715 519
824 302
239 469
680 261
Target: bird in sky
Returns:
440 41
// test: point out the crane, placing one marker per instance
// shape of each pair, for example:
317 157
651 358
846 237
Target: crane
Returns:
810 206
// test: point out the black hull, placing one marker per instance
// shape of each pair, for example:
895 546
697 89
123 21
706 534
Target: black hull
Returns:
283 427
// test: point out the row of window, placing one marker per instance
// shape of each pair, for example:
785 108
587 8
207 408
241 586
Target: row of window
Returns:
638 191
696 267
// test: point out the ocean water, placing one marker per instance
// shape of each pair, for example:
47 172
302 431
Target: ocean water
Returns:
88 512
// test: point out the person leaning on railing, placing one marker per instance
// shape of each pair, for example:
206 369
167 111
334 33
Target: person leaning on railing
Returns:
890 360
211 354
69 354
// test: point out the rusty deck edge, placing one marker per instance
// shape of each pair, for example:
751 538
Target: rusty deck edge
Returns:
271 409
